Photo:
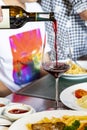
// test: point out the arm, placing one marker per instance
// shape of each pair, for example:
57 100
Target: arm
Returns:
80 7
83 15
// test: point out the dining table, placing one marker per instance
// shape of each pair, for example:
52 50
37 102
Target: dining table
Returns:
40 94
38 102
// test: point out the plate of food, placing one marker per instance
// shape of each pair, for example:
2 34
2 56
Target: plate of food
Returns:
76 71
75 96
55 119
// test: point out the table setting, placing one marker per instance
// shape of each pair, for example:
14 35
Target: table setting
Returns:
50 102
67 103
47 101
56 101
10 112
71 113
69 108
59 119
53 96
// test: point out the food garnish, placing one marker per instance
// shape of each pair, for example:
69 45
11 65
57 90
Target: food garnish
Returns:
80 93
74 126
81 96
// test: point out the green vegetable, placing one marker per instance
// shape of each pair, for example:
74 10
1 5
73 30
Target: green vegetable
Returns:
74 126
85 128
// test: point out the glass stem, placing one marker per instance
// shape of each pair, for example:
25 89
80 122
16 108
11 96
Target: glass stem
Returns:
57 92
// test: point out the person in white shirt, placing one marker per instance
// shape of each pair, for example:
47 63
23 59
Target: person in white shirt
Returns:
20 50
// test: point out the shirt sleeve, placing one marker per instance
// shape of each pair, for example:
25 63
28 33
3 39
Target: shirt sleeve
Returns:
79 5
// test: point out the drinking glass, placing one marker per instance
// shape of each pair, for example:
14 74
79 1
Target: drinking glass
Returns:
54 61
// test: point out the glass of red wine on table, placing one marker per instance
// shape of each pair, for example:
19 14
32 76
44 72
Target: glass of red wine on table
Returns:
52 63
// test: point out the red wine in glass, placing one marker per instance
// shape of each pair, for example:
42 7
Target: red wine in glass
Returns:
59 68
56 67
55 70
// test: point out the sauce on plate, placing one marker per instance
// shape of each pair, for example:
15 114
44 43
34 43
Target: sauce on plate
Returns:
17 111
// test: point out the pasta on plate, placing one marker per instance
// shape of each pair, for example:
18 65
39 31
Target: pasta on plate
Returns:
75 69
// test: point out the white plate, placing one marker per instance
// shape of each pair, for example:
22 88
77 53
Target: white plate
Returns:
77 76
67 97
3 128
21 123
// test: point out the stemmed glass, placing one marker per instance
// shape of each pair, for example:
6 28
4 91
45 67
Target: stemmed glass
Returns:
52 63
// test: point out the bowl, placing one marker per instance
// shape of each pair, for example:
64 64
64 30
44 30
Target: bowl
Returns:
15 111
3 103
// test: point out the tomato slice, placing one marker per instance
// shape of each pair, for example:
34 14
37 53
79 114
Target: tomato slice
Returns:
80 93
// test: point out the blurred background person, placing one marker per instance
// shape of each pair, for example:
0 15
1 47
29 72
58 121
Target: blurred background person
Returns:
71 16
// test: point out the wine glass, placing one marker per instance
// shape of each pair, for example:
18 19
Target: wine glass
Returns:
54 61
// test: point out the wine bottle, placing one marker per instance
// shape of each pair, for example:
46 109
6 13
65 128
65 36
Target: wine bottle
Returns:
15 17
